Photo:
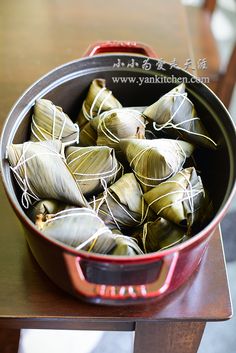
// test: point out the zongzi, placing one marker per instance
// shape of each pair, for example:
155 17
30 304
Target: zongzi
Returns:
122 204
159 235
179 198
49 122
91 165
80 228
41 173
154 161
45 207
118 124
175 114
98 100
126 246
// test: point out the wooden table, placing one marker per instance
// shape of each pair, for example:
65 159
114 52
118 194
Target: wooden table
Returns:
35 37
28 299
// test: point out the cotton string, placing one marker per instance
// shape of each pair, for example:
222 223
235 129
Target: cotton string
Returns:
189 196
89 116
106 192
53 134
107 132
171 163
170 125
23 181
74 212
116 167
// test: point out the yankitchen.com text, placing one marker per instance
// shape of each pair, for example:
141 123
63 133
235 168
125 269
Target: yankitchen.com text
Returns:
141 80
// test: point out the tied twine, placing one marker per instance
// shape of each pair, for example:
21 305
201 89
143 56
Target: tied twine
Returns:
144 239
170 125
74 212
174 164
28 194
112 173
89 116
56 119
188 195
104 198
107 132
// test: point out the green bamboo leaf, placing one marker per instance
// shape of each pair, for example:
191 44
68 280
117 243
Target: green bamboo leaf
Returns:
92 167
71 228
125 246
153 161
49 122
175 114
159 235
179 198
98 100
118 124
122 205
41 172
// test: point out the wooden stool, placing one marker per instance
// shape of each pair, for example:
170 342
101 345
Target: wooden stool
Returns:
28 299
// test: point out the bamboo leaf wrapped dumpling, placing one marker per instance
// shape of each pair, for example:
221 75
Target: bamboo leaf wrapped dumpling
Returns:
98 100
45 207
88 135
126 246
118 124
91 165
79 228
154 161
122 205
49 122
175 114
178 199
159 235
41 173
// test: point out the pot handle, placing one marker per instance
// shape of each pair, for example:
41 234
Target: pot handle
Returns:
120 47
120 293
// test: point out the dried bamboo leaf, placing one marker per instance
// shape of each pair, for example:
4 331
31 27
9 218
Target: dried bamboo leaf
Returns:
88 136
45 207
153 161
129 192
179 198
122 205
49 122
159 235
118 124
161 110
126 246
93 167
41 173
175 114
98 100
115 230
71 228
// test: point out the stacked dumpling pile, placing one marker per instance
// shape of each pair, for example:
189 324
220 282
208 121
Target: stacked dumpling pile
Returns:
109 183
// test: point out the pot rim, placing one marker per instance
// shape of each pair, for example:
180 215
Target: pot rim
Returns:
206 231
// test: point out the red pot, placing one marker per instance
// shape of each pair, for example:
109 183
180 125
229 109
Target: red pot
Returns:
112 279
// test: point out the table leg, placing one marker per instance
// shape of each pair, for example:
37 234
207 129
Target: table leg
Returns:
9 340
168 337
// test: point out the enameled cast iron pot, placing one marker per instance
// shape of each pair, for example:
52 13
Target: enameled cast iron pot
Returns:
112 279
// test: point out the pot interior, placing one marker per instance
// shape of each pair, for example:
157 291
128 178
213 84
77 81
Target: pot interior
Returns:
217 167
